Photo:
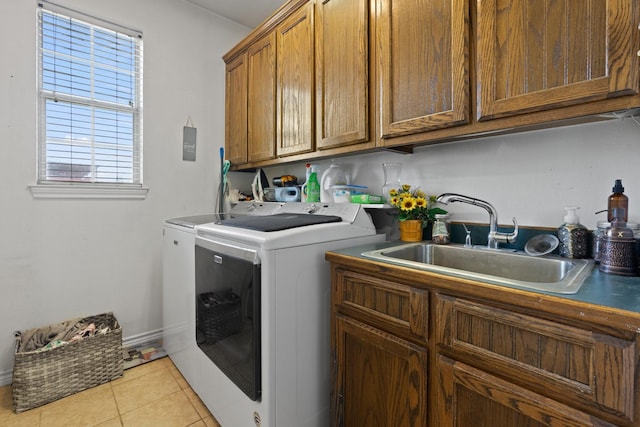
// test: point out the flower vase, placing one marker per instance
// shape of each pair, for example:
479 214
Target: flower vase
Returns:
411 230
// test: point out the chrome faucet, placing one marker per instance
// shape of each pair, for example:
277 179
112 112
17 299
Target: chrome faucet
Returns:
494 235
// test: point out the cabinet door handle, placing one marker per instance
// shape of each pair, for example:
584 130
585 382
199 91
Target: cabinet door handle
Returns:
175 242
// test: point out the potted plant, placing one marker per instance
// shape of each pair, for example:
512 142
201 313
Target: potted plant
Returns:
416 210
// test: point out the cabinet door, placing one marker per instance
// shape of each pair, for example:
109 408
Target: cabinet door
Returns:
236 111
572 365
261 115
537 55
295 111
342 72
471 397
422 65
380 379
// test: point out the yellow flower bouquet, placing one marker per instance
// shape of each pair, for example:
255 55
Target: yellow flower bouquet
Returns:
414 204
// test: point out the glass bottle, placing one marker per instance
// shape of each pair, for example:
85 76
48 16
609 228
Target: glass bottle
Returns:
618 201
441 230
391 178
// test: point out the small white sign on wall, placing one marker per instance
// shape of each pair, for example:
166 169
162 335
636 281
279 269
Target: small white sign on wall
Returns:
189 142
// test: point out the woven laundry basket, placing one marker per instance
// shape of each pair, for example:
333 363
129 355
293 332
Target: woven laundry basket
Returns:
40 377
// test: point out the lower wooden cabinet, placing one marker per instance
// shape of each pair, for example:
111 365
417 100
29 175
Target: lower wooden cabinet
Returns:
474 359
380 379
472 397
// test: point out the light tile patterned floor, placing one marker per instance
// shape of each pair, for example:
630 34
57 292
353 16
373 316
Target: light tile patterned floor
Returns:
153 394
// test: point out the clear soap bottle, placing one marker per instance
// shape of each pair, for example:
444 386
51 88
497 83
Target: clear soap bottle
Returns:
572 235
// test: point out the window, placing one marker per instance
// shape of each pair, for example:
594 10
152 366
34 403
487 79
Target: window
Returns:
90 100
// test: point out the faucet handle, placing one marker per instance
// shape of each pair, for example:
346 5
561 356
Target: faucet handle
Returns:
467 240
508 237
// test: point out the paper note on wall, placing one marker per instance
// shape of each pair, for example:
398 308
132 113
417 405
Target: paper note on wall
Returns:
189 143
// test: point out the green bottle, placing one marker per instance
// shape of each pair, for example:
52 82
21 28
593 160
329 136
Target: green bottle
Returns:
313 186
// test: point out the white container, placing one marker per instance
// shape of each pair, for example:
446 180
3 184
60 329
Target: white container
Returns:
343 193
335 175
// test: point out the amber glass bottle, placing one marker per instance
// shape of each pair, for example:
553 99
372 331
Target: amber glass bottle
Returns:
618 201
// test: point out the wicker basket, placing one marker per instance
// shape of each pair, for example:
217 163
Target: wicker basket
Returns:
219 315
40 377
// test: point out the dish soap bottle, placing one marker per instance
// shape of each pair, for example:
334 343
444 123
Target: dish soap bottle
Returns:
572 235
617 201
313 186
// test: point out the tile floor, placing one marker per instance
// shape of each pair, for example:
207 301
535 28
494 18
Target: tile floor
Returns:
153 394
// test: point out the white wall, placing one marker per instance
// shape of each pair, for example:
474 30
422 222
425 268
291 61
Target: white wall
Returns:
530 175
65 258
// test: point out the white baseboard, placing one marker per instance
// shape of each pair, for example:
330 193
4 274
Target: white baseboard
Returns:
132 341
143 338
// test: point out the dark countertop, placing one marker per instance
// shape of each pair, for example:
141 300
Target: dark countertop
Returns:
609 290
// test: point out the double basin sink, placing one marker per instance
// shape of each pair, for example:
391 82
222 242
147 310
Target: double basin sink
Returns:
497 266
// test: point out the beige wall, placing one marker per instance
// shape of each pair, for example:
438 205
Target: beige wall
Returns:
65 258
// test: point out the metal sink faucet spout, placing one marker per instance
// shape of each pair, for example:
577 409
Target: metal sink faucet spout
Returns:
494 235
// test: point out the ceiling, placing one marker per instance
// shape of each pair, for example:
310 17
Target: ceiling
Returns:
246 12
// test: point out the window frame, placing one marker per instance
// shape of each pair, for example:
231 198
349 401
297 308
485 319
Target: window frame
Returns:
93 188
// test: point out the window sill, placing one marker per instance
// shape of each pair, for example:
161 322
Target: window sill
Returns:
87 191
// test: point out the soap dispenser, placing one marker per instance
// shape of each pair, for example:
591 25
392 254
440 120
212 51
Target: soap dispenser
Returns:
572 235
618 252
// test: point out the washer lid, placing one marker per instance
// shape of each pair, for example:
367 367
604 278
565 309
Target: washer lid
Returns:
192 221
277 222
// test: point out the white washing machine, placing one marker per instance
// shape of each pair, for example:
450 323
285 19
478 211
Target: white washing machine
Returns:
178 287
263 287
178 291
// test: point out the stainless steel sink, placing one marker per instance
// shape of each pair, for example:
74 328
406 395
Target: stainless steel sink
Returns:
505 267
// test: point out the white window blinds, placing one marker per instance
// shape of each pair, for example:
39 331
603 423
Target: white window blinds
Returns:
90 99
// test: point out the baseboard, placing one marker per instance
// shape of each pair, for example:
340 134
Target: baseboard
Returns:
140 339
132 341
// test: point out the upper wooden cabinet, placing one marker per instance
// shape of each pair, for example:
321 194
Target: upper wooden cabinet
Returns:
422 65
261 103
235 125
295 83
324 78
342 73
536 55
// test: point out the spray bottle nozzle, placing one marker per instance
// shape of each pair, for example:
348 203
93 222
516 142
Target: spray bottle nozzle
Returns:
618 188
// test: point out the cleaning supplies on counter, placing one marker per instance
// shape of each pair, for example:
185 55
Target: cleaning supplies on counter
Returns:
335 175
367 199
287 194
618 201
313 186
343 193
573 236
285 181
303 189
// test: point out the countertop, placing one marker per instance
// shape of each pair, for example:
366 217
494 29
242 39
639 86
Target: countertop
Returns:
609 290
